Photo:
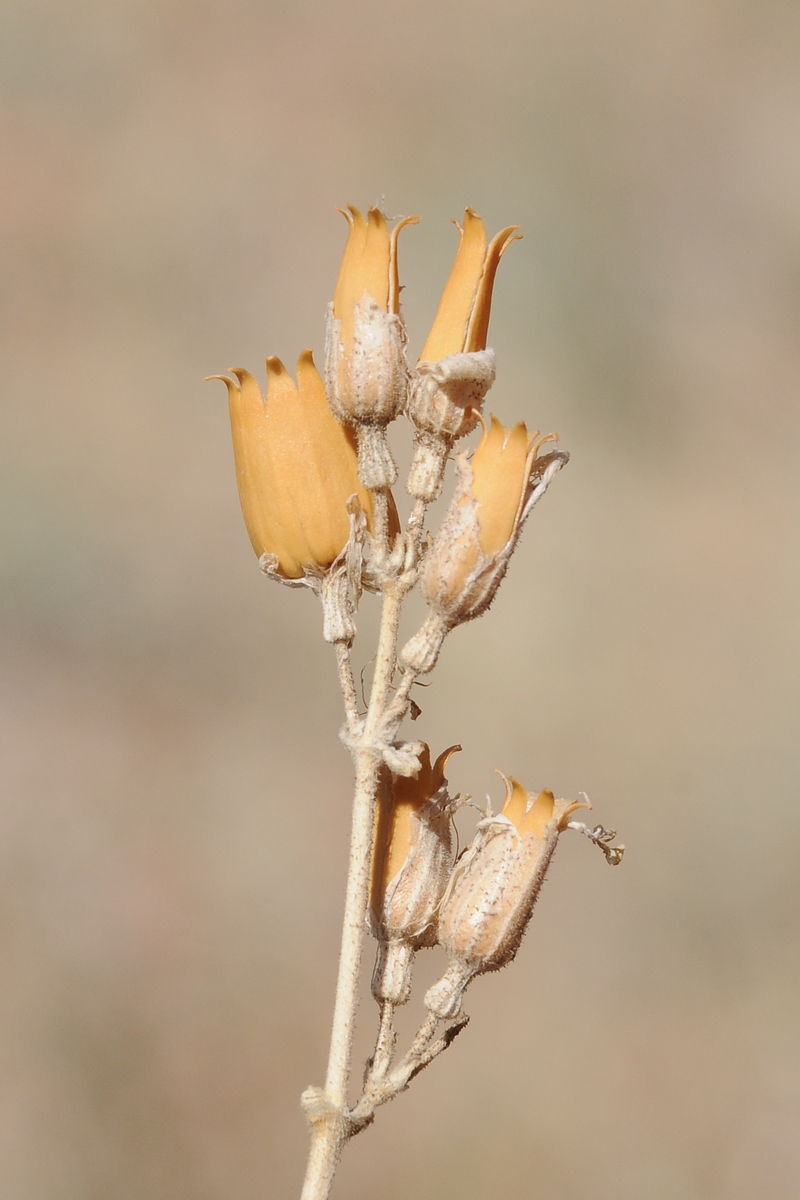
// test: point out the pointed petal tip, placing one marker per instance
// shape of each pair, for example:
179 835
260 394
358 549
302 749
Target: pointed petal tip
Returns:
350 215
438 769
512 236
230 384
243 376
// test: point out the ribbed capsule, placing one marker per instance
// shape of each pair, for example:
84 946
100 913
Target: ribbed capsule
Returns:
493 889
412 862
366 373
455 369
469 556
296 468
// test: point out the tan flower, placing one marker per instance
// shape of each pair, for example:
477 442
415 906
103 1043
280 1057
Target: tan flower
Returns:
455 369
481 529
412 860
466 563
461 324
365 366
295 466
493 889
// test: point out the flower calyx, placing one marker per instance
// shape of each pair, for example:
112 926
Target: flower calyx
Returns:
366 373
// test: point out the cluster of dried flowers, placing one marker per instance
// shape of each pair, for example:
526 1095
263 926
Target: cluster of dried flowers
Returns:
315 473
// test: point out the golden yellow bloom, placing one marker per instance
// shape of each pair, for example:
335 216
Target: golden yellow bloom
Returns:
494 887
365 367
295 466
462 319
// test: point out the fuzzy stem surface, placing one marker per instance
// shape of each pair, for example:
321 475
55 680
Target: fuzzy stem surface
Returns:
331 1130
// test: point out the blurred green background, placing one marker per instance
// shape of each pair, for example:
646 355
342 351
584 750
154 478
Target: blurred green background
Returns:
174 812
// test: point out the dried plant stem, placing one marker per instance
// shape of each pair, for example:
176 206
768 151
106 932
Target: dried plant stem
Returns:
384 1046
381 517
348 686
426 1046
331 1127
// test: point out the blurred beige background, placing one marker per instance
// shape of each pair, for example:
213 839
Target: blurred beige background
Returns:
174 800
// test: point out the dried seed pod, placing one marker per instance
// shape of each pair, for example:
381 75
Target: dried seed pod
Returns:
469 557
296 469
411 866
366 373
455 369
493 889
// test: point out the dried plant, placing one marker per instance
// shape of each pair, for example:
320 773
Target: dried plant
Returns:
315 473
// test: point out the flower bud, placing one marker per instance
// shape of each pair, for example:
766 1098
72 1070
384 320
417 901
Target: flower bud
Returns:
296 469
493 888
412 861
469 556
365 366
455 370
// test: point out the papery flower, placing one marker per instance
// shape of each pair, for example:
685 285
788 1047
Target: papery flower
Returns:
412 859
296 469
493 889
461 324
455 369
365 367
466 563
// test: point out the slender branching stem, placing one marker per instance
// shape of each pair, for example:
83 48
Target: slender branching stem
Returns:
331 1127
384 1046
348 685
427 1045
399 704
416 521
380 500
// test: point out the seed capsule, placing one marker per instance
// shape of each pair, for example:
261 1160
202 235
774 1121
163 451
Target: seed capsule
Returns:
469 557
455 369
366 374
493 889
411 867
296 468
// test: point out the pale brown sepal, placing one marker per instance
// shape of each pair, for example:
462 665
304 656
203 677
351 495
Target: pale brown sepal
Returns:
340 588
269 565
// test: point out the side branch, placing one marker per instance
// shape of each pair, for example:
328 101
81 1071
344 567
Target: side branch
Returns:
424 1049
